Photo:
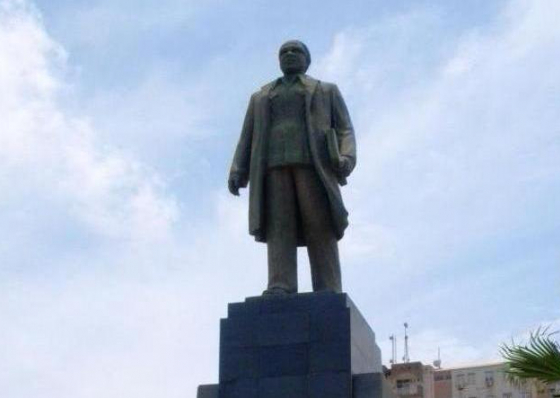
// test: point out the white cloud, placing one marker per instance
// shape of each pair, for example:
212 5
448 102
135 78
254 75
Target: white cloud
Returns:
128 316
54 155
464 142
75 322
457 168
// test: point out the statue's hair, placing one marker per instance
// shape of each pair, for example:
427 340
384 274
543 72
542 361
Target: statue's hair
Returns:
302 45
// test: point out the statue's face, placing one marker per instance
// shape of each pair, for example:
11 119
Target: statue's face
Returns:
292 58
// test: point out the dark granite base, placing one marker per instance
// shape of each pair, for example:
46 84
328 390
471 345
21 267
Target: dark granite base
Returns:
311 345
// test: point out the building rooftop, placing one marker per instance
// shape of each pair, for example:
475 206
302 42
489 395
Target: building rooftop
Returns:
472 366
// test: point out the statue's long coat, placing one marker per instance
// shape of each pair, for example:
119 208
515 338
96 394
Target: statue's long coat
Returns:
324 109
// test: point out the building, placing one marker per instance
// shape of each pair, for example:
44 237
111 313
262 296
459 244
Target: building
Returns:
550 390
411 380
486 381
416 380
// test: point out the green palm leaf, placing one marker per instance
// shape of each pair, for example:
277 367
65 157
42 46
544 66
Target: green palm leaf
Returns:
538 359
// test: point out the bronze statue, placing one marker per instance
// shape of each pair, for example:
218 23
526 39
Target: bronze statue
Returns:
296 146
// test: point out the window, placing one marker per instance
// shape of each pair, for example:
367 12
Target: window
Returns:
506 395
461 381
439 376
489 378
404 387
403 383
471 379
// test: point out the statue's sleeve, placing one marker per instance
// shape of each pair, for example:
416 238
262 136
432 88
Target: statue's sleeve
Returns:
242 156
343 127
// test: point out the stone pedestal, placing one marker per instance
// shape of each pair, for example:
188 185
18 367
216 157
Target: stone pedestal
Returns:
311 345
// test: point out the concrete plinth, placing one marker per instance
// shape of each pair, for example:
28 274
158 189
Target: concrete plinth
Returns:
311 345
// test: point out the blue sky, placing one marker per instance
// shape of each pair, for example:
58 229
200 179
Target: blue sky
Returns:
120 246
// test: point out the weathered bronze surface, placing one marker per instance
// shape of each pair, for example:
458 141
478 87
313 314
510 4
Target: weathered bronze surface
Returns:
294 166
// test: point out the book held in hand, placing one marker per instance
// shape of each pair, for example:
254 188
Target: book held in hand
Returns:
334 154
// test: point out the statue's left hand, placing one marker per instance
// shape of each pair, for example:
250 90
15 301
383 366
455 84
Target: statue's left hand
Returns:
344 167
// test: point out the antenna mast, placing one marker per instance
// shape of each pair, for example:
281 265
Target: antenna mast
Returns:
393 339
437 362
406 357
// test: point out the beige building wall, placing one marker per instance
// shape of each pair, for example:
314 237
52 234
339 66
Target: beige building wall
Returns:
443 385
412 380
484 381
542 390
415 380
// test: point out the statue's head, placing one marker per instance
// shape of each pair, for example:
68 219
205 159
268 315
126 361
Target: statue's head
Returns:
294 57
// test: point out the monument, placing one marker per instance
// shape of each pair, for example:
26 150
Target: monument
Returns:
297 144
296 148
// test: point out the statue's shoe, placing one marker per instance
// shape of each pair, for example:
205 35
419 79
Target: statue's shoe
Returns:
276 291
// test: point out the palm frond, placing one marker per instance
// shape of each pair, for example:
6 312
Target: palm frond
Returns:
538 359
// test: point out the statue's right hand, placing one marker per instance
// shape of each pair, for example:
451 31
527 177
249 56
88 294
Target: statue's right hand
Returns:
234 183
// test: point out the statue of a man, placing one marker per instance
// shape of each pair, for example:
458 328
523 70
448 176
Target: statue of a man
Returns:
297 145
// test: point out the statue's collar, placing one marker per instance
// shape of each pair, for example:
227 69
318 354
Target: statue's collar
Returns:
308 82
283 80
